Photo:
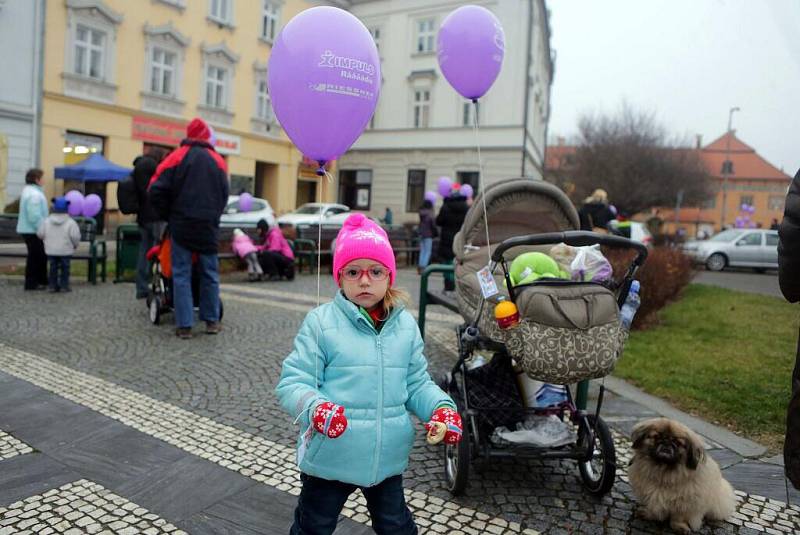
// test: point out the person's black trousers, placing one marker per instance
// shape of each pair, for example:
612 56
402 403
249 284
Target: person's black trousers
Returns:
322 500
35 263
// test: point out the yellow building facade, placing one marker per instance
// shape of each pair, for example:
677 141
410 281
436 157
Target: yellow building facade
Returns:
122 75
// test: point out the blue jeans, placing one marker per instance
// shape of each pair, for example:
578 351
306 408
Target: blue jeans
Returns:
59 281
425 248
322 500
208 271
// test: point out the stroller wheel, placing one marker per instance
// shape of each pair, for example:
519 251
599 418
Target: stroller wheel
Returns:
597 472
456 463
155 310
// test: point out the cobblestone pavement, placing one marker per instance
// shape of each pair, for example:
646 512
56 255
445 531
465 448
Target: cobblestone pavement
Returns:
11 447
213 397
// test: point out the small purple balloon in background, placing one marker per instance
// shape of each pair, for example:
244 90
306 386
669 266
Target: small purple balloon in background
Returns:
245 202
212 139
470 49
324 78
75 199
430 196
444 185
92 205
466 191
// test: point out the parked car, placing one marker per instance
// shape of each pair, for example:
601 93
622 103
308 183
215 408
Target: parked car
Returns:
232 217
308 214
755 248
639 232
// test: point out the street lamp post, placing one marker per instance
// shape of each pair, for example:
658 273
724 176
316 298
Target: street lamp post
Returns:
726 168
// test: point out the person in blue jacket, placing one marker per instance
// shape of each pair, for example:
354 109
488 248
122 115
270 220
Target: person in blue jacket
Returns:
356 371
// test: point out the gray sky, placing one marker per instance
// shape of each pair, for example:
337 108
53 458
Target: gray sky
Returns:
689 62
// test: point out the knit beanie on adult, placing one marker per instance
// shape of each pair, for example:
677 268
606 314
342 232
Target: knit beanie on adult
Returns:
360 237
198 129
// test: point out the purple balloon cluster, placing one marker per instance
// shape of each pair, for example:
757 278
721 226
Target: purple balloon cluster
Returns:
743 220
88 206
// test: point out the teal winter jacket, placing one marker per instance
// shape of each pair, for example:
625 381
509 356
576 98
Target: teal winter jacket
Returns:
32 209
378 377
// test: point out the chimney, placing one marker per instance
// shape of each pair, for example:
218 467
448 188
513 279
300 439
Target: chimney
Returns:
699 140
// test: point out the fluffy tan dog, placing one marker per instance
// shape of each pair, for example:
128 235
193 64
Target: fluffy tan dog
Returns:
674 479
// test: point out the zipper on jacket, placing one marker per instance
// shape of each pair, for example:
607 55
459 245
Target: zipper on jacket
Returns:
380 412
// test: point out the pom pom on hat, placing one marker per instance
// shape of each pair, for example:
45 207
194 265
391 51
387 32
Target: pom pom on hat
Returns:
360 237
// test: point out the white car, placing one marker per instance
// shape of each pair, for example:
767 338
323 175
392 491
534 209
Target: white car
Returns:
233 217
639 232
755 248
308 214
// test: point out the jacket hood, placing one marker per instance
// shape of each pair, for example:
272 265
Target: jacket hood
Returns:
59 219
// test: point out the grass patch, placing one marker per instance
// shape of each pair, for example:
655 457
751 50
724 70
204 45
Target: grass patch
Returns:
723 355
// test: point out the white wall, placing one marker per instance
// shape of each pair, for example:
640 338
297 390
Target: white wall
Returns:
20 34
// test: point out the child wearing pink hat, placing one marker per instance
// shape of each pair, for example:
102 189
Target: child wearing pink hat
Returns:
356 372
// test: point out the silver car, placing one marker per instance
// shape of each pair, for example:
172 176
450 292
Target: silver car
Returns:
754 248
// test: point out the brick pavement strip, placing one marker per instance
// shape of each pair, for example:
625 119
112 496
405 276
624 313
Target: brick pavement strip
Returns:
11 447
81 507
255 457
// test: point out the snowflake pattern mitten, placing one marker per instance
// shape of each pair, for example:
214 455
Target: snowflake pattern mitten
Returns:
329 419
451 419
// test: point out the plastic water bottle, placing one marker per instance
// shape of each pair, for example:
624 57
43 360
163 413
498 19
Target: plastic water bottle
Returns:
630 306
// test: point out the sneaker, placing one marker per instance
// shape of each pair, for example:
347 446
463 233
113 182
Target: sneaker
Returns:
213 327
184 333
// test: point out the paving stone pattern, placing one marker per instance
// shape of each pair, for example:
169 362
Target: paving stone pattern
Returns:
79 508
11 447
225 384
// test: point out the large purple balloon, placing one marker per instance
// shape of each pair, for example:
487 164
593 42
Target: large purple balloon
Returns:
324 78
245 202
75 199
471 45
92 205
430 196
444 186
467 191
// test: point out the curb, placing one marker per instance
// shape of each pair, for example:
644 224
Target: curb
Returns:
742 446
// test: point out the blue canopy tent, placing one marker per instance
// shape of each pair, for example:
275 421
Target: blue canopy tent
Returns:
94 172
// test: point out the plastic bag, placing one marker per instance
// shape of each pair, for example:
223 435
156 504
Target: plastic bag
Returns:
538 430
563 254
590 265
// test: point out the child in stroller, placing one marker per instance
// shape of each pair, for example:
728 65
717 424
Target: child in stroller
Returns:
159 297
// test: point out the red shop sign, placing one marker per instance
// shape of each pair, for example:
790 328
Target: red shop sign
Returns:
158 131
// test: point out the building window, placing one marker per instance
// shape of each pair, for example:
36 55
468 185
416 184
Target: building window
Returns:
269 20
746 199
426 36
415 192
422 106
469 110
221 11
355 188
263 100
709 204
376 36
216 87
90 47
775 202
162 72
469 177
727 167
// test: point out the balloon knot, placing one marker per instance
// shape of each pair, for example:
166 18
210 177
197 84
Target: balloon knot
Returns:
321 169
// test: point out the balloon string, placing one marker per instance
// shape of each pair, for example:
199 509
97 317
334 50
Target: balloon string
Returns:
480 179
329 176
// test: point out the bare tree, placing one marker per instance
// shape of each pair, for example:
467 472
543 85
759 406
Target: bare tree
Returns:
631 156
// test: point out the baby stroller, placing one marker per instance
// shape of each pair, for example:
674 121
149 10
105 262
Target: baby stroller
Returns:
569 332
159 297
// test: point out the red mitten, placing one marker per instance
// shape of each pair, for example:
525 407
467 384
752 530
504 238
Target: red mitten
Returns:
451 419
329 419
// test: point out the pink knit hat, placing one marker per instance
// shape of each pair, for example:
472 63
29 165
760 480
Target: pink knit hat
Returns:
360 237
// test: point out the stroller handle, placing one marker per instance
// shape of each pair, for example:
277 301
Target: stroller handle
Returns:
575 238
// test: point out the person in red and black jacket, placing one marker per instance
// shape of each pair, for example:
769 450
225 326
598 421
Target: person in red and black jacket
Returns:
189 190
789 280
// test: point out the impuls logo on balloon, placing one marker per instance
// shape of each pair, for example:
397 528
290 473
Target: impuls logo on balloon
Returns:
331 60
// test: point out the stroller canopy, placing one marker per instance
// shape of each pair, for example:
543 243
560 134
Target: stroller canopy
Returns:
515 207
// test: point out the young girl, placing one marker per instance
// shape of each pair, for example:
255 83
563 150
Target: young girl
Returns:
275 254
356 372
244 247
